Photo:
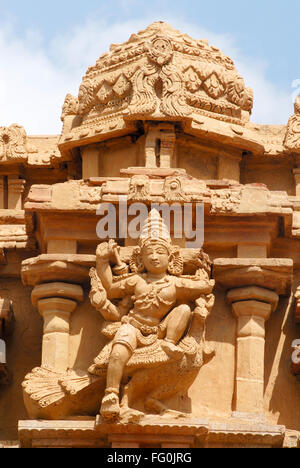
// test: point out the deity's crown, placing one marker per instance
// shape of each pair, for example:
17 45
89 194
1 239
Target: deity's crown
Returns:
155 229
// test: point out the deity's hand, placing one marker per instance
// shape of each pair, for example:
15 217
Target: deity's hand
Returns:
106 251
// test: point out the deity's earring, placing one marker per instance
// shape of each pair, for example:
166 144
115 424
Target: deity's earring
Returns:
135 262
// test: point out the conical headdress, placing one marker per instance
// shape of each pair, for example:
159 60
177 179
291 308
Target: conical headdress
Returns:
155 229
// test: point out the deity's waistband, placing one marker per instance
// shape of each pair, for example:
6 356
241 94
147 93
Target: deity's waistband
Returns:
144 329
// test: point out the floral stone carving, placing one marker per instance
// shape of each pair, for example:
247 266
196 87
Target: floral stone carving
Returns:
139 188
155 322
161 73
13 143
292 138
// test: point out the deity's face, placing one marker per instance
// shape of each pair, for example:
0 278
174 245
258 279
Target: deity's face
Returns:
155 257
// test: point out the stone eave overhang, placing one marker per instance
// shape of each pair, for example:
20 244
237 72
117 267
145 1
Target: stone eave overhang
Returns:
255 138
232 215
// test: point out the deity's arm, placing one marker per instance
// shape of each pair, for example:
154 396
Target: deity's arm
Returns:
104 255
115 288
105 273
191 289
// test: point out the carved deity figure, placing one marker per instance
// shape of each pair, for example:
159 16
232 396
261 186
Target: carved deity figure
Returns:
154 308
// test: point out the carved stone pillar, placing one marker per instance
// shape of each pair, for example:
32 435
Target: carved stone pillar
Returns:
56 302
254 286
252 307
160 146
90 162
15 192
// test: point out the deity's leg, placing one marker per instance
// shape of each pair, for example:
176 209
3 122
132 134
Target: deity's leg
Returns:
124 345
177 324
119 357
178 321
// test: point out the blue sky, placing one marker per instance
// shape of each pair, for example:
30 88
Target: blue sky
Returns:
46 47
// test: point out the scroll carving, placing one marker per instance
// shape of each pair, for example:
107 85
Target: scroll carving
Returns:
154 74
292 138
13 143
70 106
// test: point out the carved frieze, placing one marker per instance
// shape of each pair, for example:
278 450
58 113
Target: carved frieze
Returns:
225 201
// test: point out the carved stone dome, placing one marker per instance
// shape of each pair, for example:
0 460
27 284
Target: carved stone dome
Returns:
158 74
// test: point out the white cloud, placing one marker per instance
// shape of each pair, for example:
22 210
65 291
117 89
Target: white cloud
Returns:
34 79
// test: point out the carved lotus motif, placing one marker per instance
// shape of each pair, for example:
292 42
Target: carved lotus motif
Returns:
174 189
122 86
213 86
160 51
192 80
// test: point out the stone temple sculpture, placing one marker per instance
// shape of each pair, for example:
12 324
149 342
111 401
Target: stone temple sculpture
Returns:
153 341
155 322
117 341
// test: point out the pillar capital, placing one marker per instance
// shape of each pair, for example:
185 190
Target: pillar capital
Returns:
252 294
252 309
54 268
56 290
274 274
56 305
